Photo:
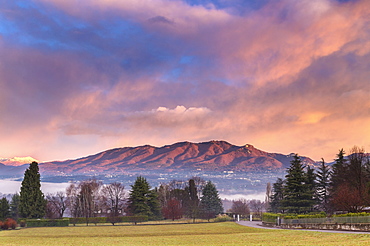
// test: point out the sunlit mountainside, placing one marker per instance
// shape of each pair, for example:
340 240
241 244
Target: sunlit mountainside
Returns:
234 169
183 156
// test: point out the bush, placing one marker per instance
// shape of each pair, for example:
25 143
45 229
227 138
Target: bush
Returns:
222 218
114 219
22 223
1 224
4 226
11 223
352 214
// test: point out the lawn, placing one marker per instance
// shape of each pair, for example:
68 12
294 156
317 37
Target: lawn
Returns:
227 233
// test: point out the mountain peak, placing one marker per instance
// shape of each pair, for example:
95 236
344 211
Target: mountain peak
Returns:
214 155
17 161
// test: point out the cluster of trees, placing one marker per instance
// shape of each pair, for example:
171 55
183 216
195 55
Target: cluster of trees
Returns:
345 186
194 198
244 207
91 198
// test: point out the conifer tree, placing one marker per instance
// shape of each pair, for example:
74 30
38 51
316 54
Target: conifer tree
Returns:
14 206
32 201
298 197
142 200
277 196
192 201
323 184
4 209
339 170
210 202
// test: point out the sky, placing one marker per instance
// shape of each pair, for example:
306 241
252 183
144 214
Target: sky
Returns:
80 77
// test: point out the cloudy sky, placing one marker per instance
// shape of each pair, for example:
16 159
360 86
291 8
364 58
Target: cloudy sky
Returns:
80 77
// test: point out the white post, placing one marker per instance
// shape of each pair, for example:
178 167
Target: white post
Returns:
250 217
238 217
234 216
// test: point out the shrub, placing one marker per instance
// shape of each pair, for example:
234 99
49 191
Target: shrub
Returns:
351 214
1 224
4 226
22 223
11 223
222 218
114 219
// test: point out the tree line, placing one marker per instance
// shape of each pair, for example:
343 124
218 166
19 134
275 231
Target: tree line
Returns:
342 187
194 198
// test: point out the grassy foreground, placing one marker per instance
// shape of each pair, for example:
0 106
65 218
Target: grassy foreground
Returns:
227 233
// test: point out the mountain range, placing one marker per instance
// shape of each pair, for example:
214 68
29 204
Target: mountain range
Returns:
183 156
212 156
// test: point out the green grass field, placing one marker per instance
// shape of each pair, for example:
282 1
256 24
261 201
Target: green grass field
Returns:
227 233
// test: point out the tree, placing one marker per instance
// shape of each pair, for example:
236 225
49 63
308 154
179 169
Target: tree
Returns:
277 196
56 205
297 195
257 207
173 209
338 172
88 198
4 209
240 207
142 201
73 202
323 185
115 194
32 201
192 201
210 201
310 187
14 206
268 196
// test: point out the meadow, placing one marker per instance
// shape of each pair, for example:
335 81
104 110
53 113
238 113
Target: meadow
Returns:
227 233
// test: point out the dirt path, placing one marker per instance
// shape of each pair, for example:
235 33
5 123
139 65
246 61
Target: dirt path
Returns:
258 224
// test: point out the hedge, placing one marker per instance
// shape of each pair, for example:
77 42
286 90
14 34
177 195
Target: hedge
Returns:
352 214
47 222
271 217
113 220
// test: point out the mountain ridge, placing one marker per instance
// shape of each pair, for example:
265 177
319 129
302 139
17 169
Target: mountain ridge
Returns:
214 156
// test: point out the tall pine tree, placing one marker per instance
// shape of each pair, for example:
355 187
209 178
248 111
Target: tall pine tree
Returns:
142 200
210 201
277 196
4 209
298 196
32 201
323 184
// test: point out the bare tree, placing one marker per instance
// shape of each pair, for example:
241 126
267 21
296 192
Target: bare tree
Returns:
240 207
115 197
73 202
256 207
56 205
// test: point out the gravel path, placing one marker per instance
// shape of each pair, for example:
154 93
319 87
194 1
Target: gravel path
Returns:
258 224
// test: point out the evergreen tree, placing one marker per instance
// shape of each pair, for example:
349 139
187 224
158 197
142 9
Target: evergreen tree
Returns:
311 186
142 200
14 206
277 196
323 184
298 197
32 202
154 205
210 201
4 209
338 170
192 201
